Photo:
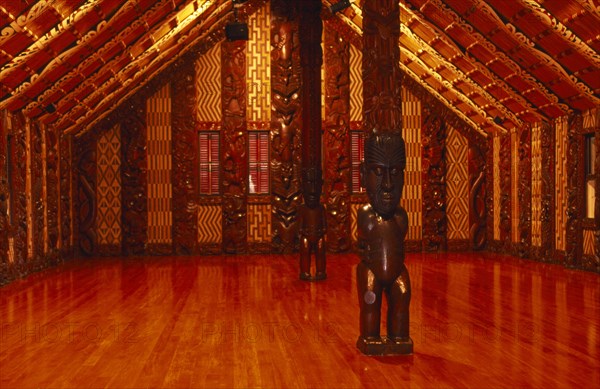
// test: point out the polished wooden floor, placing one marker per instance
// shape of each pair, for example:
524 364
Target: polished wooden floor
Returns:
478 321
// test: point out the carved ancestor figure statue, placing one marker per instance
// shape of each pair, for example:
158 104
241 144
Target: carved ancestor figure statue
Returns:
382 226
312 226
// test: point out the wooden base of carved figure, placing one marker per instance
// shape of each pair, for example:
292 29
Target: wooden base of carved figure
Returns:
384 346
318 277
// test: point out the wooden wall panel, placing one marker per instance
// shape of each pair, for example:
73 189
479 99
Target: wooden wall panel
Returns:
574 196
234 149
336 135
66 196
52 193
505 191
108 192
185 151
36 141
258 66
207 86
560 210
478 198
536 186
5 227
434 191
285 127
134 178
19 227
524 196
457 190
86 195
159 156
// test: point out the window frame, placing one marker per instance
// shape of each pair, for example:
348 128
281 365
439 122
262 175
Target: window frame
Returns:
210 164
267 162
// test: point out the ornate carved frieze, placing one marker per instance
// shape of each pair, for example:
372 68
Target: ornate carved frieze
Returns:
336 174
234 154
285 126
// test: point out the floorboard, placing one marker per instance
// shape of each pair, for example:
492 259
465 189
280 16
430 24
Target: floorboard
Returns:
477 321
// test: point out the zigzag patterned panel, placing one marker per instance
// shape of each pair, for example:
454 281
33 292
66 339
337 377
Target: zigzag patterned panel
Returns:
259 223
208 86
258 66
209 224
536 185
160 217
108 188
496 186
457 185
412 198
356 85
353 225
514 185
561 131
589 248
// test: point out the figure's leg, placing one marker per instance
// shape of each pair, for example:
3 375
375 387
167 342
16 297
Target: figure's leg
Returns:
320 259
369 300
304 259
398 302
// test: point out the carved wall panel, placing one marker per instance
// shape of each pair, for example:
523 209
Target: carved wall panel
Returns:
457 189
19 226
524 191
66 196
336 174
5 198
209 224
495 164
285 126
478 197
234 154
560 210
514 189
504 165
108 192
86 195
134 178
434 190
548 199
259 227
52 193
574 197
185 150
536 187
356 81
37 192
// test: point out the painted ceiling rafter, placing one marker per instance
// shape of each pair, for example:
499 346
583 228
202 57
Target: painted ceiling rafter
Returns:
544 58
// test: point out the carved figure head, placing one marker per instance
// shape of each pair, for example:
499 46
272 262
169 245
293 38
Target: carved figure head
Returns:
382 172
311 186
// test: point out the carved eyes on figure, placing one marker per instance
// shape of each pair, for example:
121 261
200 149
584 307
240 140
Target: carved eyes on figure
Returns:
380 170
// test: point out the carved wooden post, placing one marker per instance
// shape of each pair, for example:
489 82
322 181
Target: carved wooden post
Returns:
234 157
285 139
5 159
524 195
336 139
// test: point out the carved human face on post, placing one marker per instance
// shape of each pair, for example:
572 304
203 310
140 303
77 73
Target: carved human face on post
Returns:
311 186
382 172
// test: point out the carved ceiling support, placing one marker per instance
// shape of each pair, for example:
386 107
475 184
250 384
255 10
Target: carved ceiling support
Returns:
234 154
285 124
134 178
86 195
524 193
435 223
336 139
477 197
185 150
381 70
66 195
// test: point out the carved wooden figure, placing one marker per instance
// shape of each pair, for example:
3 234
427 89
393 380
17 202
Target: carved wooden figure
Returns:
312 226
382 228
